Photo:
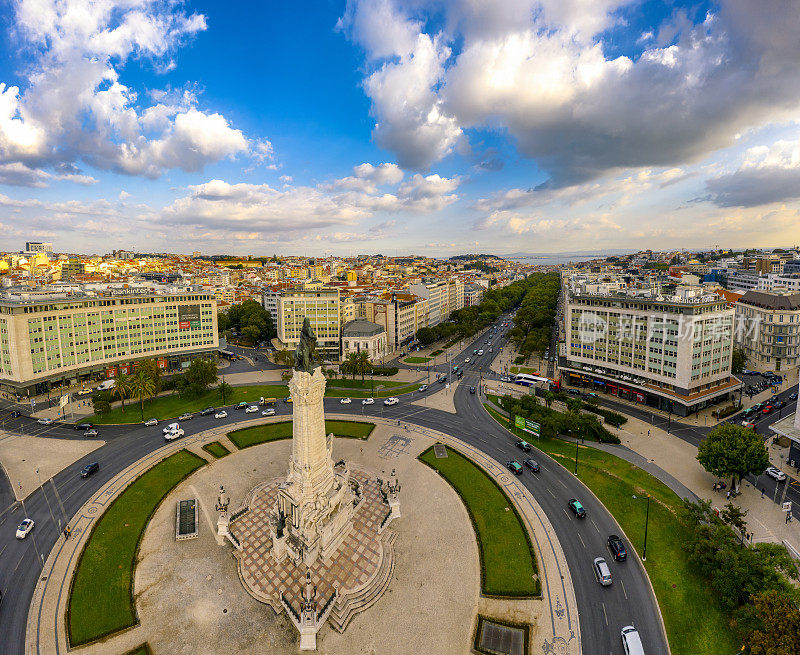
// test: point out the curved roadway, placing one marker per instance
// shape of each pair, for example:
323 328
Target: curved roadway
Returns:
603 611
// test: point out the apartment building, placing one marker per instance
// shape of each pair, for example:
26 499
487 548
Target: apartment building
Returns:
473 294
443 296
671 352
769 329
400 315
321 306
50 338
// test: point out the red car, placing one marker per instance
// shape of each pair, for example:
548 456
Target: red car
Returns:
767 410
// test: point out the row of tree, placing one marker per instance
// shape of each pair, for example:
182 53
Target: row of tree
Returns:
463 323
536 314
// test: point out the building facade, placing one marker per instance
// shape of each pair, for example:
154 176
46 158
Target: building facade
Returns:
770 329
364 336
668 352
52 339
321 306
443 296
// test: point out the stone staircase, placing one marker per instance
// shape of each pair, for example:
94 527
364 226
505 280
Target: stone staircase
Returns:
349 603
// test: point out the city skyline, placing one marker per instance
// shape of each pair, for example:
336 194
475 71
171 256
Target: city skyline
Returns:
429 128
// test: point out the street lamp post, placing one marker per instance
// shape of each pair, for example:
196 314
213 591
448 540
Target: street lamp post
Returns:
577 443
646 521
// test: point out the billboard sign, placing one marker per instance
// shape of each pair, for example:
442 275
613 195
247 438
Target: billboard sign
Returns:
527 425
188 317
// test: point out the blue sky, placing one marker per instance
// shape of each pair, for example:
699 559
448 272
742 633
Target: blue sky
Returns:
396 127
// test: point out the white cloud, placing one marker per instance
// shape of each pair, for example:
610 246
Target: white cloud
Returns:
18 174
538 70
75 107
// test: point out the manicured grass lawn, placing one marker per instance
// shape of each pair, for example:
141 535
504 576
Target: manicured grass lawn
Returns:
416 360
144 649
165 407
101 598
216 449
508 562
255 435
683 594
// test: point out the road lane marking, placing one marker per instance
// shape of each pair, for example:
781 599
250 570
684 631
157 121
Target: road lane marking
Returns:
565 512
20 560
595 526
562 483
624 593
604 612
581 538
550 492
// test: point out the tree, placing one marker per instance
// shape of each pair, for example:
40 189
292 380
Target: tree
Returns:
142 386
223 322
151 368
224 390
738 360
426 336
251 320
122 387
201 373
772 627
363 364
350 364
101 402
549 397
734 516
733 451
284 357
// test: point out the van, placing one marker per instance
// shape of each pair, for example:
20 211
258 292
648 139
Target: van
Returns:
171 428
601 571
631 642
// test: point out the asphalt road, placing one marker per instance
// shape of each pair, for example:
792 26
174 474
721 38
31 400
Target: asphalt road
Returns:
603 611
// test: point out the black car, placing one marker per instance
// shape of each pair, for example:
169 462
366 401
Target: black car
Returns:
779 405
442 379
472 389
577 508
532 465
83 426
573 392
207 411
617 548
15 414
793 396
515 468
87 470
524 445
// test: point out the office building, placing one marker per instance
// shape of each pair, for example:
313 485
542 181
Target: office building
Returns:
443 296
32 247
52 338
320 306
667 351
769 330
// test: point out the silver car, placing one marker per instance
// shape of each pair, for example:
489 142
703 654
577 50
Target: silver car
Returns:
601 571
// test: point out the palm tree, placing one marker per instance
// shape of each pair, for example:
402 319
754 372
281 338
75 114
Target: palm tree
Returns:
351 363
122 387
142 386
362 363
548 396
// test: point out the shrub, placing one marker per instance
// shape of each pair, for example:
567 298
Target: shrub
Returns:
519 359
385 370
726 411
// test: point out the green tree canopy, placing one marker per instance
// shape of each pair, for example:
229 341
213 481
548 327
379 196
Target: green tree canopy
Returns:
738 360
733 451
251 320
201 373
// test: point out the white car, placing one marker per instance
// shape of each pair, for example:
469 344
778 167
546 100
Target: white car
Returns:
174 434
345 401
221 414
250 409
368 401
151 422
505 378
268 412
775 473
391 401
24 528
423 387
466 361
45 421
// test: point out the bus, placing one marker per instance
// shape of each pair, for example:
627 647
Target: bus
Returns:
527 380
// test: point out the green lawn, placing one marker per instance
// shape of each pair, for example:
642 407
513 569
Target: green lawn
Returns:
508 562
101 597
144 649
166 407
416 360
258 434
683 594
216 449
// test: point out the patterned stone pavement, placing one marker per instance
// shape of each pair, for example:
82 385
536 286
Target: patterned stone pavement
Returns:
354 565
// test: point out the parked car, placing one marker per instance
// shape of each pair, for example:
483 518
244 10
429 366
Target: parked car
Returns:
24 528
221 414
767 410
368 401
90 433
268 412
345 401
524 445
83 426
472 390
749 425
45 421
391 401
185 417
532 465
251 409
514 467
775 473
207 411
87 470
601 571
423 387
151 422
577 508
631 641
617 548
